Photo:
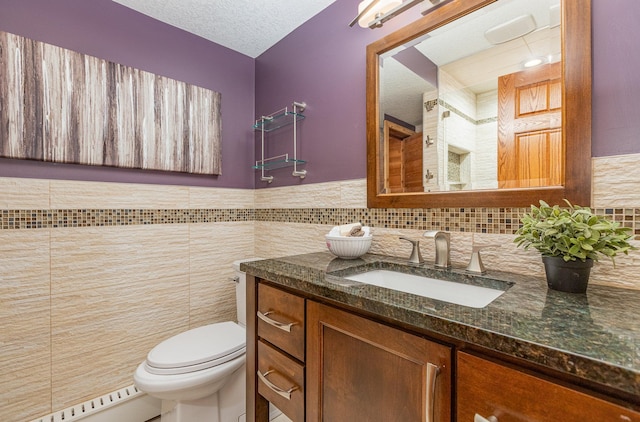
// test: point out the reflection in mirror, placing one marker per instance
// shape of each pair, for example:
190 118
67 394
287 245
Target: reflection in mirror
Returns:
475 104
482 110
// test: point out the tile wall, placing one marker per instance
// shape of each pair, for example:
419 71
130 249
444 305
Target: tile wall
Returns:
92 275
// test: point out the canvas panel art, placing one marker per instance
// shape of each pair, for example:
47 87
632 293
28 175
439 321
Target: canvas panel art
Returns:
61 106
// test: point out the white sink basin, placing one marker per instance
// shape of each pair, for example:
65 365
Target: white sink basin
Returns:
446 291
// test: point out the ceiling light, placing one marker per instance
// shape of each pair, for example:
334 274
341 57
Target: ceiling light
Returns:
533 62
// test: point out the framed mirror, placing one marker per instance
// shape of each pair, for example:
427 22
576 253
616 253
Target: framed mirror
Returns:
456 119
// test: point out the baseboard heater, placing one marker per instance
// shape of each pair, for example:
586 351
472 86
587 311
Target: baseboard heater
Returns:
125 405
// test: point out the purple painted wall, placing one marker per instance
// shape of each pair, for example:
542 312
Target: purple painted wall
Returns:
107 30
323 63
616 77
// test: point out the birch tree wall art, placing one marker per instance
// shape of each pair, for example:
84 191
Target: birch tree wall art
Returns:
60 106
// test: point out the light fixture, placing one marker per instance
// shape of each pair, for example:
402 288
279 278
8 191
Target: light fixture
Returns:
373 13
533 62
370 10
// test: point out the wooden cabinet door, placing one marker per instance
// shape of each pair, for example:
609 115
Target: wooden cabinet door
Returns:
360 370
499 393
530 147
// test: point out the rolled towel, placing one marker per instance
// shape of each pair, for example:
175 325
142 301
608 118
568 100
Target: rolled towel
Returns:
350 229
356 232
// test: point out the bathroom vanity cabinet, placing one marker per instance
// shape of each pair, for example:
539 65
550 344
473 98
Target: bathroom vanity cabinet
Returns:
321 355
361 370
356 369
491 391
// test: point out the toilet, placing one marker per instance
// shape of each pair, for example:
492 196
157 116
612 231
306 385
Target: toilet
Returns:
200 374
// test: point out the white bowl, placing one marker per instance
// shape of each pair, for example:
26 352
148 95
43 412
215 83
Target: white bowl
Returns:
348 247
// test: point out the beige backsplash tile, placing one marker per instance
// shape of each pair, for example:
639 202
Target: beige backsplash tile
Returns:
616 181
318 195
67 194
353 193
207 198
275 239
23 194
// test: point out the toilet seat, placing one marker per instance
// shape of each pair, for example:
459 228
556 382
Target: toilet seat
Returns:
197 349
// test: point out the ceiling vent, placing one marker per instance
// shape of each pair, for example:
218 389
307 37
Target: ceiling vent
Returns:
510 30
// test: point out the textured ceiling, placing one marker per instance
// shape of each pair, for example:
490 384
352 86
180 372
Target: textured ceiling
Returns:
247 26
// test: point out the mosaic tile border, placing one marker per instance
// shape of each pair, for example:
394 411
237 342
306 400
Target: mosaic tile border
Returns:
474 220
42 219
465 116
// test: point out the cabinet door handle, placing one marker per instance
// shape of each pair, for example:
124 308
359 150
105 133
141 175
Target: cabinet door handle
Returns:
432 374
284 393
478 418
274 323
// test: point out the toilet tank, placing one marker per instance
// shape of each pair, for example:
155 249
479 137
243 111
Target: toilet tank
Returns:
241 290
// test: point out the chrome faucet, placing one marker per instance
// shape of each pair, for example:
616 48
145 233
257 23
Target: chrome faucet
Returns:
416 256
443 244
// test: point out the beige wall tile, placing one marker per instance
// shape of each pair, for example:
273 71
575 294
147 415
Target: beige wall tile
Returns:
388 242
91 257
89 375
67 194
616 181
24 298
274 239
353 193
110 287
107 316
207 198
341 194
213 249
23 194
624 274
25 393
316 195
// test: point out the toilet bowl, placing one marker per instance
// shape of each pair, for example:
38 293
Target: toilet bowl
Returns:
200 374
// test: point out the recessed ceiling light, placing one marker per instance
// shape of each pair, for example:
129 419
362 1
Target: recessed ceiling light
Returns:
533 62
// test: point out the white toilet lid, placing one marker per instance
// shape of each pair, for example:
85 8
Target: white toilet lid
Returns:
197 349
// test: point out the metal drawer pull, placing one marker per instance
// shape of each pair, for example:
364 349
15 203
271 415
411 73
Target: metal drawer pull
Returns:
478 418
432 374
284 393
280 325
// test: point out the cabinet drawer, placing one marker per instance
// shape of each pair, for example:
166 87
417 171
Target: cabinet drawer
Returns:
281 320
281 381
490 389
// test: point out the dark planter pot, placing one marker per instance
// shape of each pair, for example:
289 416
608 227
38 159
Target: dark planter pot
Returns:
571 277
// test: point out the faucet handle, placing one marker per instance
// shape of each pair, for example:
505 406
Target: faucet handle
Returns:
416 256
475 263
435 233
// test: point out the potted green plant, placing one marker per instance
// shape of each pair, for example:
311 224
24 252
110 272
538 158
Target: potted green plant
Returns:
570 239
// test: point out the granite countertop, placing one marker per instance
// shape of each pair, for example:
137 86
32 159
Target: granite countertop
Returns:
595 336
